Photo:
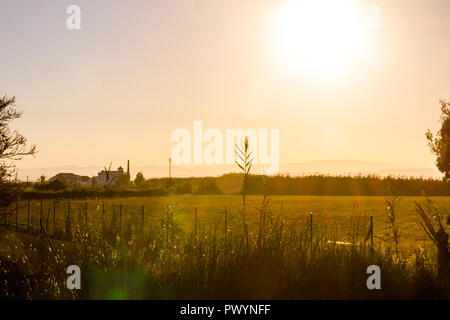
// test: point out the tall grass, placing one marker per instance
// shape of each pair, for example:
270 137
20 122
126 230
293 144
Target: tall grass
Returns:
266 259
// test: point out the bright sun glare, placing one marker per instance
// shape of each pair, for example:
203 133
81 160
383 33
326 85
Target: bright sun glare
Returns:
320 36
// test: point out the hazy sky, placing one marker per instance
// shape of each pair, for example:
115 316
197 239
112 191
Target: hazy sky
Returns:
138 70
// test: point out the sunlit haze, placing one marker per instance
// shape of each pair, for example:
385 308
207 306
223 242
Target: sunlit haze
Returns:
335 85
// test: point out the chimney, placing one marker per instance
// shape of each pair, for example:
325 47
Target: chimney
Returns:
128 167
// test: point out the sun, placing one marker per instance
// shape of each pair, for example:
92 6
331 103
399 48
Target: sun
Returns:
320 36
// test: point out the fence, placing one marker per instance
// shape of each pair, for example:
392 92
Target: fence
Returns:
57 218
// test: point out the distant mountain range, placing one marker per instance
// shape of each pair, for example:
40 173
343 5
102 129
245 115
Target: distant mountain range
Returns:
331 167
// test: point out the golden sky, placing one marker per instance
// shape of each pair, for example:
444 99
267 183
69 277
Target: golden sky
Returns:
335 87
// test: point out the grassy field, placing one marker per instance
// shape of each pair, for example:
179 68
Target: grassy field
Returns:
170 252
335 211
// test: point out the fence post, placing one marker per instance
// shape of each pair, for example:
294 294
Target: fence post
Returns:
41 229
17 212
28 215
142 218
86 215
41 222
68 231
120 218
226 224
48 218
103 212
195 227
371 231
54 217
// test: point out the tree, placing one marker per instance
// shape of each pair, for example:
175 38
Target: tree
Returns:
13 146
54 185
440 144
139 180
123 181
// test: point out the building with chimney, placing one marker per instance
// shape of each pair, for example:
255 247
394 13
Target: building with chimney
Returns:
110 178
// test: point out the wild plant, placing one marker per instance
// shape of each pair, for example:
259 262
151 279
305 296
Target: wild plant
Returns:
391 203
432 225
